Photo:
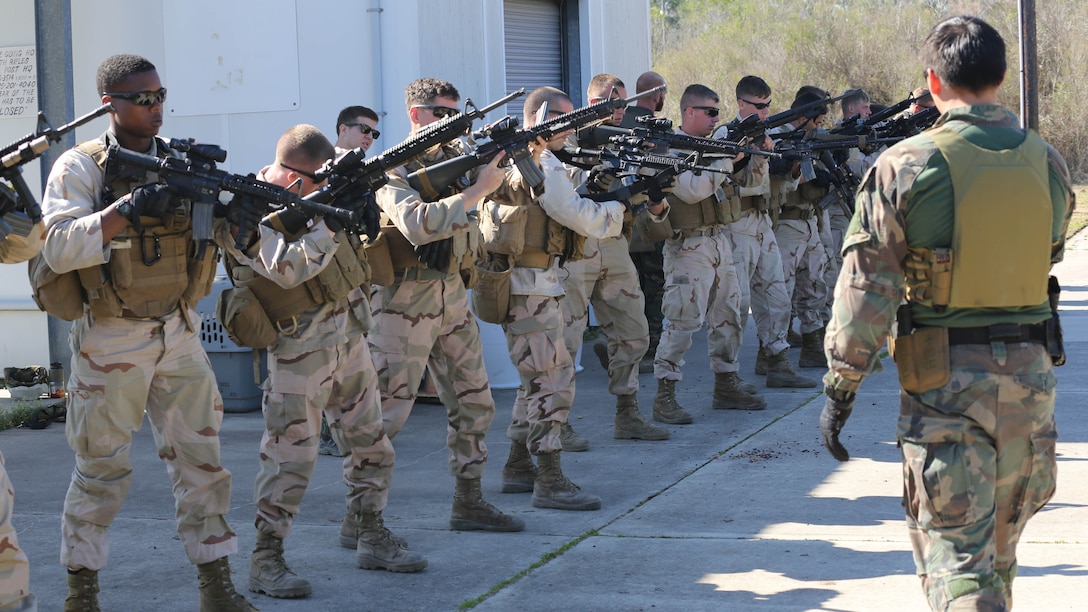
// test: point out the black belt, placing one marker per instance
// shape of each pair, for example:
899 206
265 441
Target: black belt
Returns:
998 332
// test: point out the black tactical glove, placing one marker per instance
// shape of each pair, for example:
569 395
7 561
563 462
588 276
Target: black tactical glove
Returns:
372 217
334 223
436 254
823 179
291 220
245 213
600 179
659 189
151 200
836 410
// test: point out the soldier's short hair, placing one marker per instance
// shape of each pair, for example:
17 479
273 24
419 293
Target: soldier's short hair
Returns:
601 85
808 94
350 113
753 87
696 93
425 90
539 96
648 80
304 145
116 68
966 53
855 96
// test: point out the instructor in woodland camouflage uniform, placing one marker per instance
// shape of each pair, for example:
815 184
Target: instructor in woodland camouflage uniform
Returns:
964 221
14 566
552 219
606 277
424 314
136 348
311 280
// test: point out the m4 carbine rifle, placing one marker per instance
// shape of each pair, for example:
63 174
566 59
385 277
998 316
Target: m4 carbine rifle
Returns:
19 209
656 133
505 135
753 128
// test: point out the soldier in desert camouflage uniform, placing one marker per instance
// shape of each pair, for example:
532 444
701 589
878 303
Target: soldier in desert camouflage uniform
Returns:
967 218
534 325
424 315
137 347
14 566
319 364
606 277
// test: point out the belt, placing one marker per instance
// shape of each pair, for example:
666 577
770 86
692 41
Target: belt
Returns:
793 213
998 332
709 230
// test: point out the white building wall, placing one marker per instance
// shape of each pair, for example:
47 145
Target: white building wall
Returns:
348 52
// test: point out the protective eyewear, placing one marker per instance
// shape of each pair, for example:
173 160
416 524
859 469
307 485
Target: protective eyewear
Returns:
439 111
365 129
309 175
140 98
711 111
758 105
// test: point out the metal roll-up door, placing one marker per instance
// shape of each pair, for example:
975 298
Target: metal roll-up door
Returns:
534 46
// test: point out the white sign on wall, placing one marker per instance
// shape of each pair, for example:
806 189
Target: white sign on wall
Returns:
18 82
230 57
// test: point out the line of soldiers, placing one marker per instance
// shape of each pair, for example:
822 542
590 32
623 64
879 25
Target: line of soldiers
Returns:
352 324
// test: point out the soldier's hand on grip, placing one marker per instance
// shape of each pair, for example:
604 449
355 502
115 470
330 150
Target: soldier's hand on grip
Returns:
658 190
152 200
833 417
600 179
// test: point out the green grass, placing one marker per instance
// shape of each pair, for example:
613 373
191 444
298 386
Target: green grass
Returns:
18 414
1080 213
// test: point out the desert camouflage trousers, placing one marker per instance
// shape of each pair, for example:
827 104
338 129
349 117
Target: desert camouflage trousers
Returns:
804 263
14 566
759 273
120 369
834 231
700 287
606 277
978 462
340 381
416 321
534 335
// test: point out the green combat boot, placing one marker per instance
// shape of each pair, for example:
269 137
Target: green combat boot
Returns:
729 394
82 591
553 490
519 473
349 533
781 374
666 408
631 425
217 592
378 550
471 512
571 440
268 572
812 350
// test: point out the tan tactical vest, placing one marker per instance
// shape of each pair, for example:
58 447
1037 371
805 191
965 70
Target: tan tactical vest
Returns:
1000 252
348 270
149 272
719 209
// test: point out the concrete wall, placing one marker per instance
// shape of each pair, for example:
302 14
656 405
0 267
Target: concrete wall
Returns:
277 63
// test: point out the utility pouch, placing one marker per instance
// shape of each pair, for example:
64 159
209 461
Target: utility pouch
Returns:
1055 345
244 319
503 228
60 295
650 231
491 296
923 359
381 263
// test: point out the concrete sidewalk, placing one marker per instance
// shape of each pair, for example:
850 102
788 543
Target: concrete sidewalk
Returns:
738 511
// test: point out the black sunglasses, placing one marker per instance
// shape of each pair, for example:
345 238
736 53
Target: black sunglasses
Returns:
365 129
758 105
711 111
309 175
439 111
140 98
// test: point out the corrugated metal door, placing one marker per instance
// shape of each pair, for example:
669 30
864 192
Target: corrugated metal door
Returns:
534 47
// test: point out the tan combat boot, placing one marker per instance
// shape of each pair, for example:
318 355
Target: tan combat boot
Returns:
781 374
519 473
631 425
471 512
378 550
82 591
793 337
217 592
666 408
812 350
729 394
349 533
571 440
553 490
269 574
761 361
